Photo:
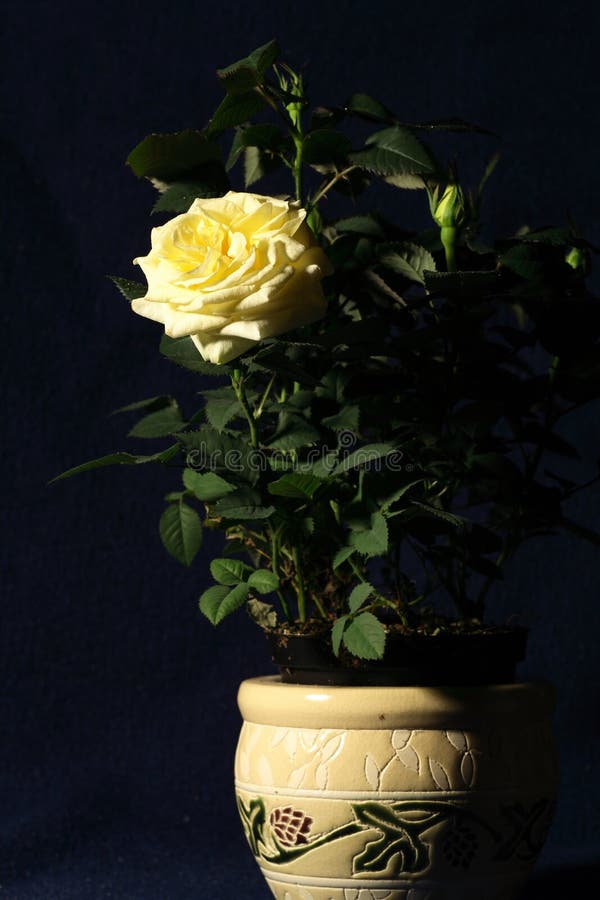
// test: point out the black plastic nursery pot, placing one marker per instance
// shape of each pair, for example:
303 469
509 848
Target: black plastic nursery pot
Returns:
489 655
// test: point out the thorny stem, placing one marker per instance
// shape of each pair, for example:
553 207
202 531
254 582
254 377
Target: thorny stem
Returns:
259 409
327 187
274 568
237 382
299 585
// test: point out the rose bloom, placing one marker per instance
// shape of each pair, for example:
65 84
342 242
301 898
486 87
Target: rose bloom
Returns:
232 271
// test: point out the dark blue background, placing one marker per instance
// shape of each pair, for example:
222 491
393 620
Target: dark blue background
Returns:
117 702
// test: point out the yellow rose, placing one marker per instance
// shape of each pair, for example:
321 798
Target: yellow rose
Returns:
232 271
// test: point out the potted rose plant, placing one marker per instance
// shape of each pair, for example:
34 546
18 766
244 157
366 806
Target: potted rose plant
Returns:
383 429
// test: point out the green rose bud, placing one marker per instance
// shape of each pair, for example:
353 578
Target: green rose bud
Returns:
578 259
449 212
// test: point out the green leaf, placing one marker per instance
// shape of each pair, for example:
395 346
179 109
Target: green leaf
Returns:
218 602
242 504
347 419
257 164
180 195
118 459
450 518
408 260
298 486
395 151
181 532
559 237
131 290
165 156
229 454
467 284
264 581
363 456
229 571
326 147
337 633
367 108
373 541
358 596
207 486
365 637
150 403
235 110
392 498
159 424
292 433
342 555
185 353
365 225
221 407
248 72
211 600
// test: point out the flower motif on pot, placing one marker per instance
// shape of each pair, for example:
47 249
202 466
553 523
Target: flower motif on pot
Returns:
291 826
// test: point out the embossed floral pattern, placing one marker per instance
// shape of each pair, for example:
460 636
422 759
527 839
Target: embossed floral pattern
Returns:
291 826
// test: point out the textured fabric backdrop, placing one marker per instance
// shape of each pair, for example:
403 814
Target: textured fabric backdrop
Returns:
117 701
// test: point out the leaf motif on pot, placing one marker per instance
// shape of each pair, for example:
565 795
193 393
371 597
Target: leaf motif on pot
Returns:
303 894
372 773
265 772
458 739
297 776
467 769
332 747
308 739
278 736
439 774
400 738
321 776
291 743
409 757
244 764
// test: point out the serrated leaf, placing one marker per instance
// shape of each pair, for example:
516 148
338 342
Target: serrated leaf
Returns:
118 459
373 541
221 407
470 284
185 353
409 260
358 596
150 403
342 555
395 151
292 433
229 571
257 164
264 581
206 486
211 600
235 110
242 504
165 156
337 633
347 419
131 290
326 147
451 518
217 604
180 195
295 485
363 456
365 225
368 108
159 424
248 72
365 637
181 532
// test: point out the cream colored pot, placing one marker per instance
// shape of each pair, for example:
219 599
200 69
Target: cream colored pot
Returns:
395 793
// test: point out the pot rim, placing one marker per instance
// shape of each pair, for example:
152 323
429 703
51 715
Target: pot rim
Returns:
267 700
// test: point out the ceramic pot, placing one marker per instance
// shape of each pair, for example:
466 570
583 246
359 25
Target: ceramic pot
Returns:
395 793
